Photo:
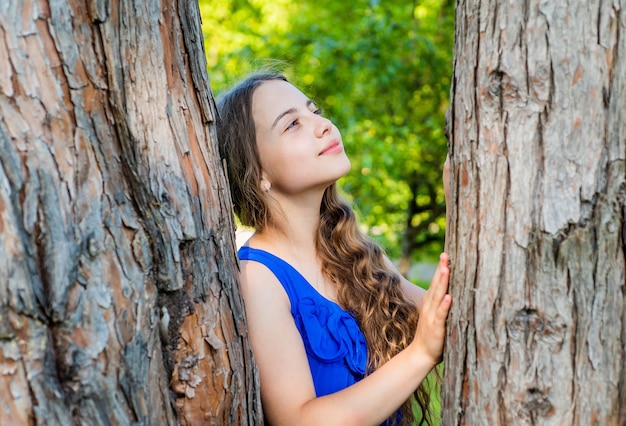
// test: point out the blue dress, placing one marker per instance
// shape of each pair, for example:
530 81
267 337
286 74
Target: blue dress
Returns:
335 346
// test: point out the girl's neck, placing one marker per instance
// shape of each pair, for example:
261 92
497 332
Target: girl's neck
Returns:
289 237
294 227
292 236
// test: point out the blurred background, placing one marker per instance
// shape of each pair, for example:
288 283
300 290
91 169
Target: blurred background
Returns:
381 72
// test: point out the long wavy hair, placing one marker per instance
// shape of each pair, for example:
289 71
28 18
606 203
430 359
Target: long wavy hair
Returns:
366 286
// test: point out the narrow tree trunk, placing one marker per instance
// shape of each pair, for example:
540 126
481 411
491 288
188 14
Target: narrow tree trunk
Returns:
407 244
114 218
536 226
415 226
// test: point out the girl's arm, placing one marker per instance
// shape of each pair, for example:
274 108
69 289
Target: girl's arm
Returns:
412 291
287 389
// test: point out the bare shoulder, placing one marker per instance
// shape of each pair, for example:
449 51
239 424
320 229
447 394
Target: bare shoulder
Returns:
259 285
255 274
286 382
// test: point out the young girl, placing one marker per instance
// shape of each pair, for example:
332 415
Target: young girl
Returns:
333 326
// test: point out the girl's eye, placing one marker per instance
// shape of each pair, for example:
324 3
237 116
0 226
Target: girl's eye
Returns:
318 111
292 124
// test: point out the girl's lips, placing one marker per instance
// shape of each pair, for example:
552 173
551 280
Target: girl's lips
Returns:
332 148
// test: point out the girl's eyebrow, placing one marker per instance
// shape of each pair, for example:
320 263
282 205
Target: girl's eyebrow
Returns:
309 102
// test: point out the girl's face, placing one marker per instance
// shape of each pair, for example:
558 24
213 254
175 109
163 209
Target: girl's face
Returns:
299 149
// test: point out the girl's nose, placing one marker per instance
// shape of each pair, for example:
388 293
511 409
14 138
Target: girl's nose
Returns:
323 125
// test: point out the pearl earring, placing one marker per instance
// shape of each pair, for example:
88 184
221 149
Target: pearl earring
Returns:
267 187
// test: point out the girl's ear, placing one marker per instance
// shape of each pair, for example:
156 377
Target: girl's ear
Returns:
265 185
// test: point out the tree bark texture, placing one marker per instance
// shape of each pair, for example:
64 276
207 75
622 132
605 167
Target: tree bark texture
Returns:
118 291
536 224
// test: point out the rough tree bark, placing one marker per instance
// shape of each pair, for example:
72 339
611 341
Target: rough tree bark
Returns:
114 216
536 227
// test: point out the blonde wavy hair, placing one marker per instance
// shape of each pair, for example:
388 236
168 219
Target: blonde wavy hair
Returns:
366 286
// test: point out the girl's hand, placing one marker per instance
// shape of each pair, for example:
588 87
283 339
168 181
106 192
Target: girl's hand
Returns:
431 326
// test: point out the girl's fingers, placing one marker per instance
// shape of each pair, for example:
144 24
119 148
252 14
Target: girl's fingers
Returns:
444 307
439 285
436 305
437 301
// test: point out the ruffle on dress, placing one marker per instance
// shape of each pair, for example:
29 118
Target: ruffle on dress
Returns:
331 334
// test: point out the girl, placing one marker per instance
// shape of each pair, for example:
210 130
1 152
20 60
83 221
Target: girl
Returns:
333 326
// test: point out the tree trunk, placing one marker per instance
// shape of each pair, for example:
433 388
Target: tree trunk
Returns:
115 217
536 226
417 226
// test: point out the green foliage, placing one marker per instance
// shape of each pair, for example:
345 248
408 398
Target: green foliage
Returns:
381 71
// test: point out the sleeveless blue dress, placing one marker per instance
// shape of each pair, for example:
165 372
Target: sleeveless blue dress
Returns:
335 346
